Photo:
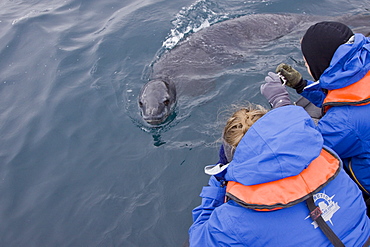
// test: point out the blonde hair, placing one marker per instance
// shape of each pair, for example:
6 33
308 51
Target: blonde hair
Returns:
240 122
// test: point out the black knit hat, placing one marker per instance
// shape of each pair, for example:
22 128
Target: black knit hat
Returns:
320 43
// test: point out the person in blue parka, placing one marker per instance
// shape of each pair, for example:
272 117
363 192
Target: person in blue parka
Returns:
339 62
270 166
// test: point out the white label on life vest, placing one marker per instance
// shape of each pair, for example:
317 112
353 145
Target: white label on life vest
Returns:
327 206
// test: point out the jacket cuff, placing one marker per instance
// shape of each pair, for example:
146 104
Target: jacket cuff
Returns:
215 191
300 86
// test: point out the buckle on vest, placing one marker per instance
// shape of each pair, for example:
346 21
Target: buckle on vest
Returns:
316 213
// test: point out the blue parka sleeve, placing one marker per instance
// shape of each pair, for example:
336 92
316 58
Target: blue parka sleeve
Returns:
313 92
212 197
339 134
209 227
345 131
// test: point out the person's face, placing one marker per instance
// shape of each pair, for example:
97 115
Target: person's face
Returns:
307 67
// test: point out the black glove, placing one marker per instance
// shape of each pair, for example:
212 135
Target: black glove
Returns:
274 92
291 77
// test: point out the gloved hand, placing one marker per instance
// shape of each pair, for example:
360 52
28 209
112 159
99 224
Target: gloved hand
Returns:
274 91
292 77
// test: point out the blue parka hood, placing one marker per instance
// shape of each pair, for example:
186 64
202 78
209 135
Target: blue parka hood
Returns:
350 63
280 144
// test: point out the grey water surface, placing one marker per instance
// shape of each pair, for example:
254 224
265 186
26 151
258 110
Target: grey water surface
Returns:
78 167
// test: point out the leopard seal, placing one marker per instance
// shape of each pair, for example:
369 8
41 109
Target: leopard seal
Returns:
189 65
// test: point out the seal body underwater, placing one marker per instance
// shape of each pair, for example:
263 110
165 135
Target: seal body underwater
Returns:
190 65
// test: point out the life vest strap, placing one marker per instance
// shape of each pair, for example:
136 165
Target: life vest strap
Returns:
315 214
353 176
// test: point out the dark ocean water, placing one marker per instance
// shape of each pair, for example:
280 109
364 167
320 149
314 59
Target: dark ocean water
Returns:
78 167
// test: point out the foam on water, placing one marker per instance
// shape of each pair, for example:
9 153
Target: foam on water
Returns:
197 16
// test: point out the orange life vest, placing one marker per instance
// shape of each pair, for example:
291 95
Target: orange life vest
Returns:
288 191
357 93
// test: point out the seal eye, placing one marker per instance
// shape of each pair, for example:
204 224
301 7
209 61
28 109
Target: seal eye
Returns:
166 102
140 104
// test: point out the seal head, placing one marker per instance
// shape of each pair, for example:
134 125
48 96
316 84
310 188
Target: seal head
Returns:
156 101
